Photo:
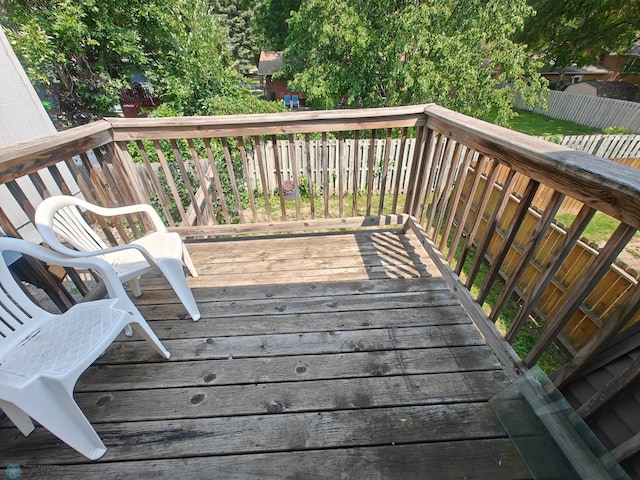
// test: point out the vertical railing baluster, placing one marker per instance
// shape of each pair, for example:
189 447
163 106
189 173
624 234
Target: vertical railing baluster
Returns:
187 182
399 170
370 170
509 236
276 160
601 264
210 217
496 214
435 170
444 195
341 174
385 171
232 179
260 157
481 162
294 174
624 313
535 239
126 182
310 182
459 182
419 170
356 172
555 261
170 181
247 178
438 187
324 156
153 178
217 181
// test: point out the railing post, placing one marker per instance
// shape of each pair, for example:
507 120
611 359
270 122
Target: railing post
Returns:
418 171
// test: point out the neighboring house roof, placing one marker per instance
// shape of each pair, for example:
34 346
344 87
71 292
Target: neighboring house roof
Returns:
588 70
270 63
634 51
617 90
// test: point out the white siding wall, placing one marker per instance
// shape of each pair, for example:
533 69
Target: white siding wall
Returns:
22 118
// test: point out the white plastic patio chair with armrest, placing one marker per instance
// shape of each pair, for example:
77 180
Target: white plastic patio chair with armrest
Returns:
43 354
60 217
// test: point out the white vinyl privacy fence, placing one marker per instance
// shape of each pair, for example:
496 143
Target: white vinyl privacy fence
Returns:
595 112
325 162
356 160
328 161
607 146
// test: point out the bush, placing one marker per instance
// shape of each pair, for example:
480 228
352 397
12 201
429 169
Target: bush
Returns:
617 130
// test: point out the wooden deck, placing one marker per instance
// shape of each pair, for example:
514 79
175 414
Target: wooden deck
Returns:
326 356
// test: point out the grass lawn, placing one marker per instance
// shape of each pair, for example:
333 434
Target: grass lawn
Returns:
599 229
543 126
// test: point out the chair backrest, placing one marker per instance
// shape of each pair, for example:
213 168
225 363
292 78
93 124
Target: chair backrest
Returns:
61 217
18 313
287 100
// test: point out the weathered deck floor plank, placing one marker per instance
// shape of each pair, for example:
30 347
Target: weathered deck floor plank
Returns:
318 356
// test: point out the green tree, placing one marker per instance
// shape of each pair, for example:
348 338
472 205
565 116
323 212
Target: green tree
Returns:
82 53
580 31
457 53
271 20
238 17
73 51
197 64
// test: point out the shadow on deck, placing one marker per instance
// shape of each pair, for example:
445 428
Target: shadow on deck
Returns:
317 356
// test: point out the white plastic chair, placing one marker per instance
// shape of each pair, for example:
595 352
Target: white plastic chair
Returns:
43 354
61 217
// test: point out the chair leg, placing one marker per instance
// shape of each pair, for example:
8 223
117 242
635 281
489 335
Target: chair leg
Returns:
135 286
18 417
52 405
172 270
186 259
141 326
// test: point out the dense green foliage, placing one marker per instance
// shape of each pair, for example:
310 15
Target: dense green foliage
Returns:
580 31
82 53
353 53
272 17
457 53
238 18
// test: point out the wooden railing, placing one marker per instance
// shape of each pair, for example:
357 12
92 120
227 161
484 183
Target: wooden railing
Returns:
208 176
505 249
241 178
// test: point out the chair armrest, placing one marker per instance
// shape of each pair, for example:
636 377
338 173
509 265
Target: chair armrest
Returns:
106 271
128 209
118 248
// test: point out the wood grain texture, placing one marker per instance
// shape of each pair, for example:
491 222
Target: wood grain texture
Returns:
362 378
609 187
30 156
267 124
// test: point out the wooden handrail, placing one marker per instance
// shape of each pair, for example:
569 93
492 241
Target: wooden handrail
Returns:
602 184
266 124
28 157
